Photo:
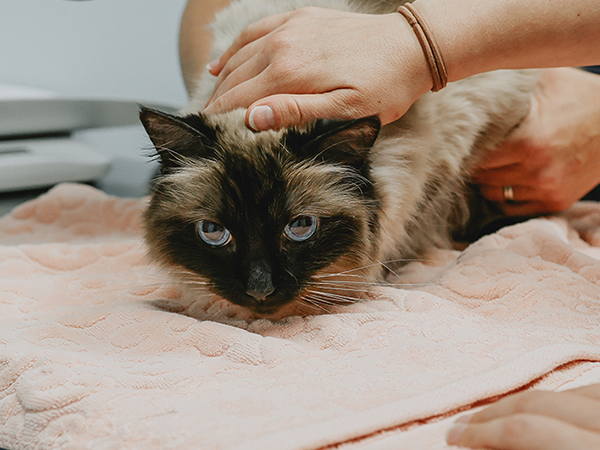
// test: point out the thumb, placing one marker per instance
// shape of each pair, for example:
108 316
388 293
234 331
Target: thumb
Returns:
282 111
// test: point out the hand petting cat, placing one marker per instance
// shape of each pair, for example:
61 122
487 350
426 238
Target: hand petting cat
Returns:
319 63
553 159
282 60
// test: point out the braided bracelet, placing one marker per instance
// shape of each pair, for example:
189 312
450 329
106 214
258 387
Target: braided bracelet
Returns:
429 45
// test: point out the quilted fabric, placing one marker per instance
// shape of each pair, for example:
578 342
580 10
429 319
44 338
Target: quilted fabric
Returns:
88 360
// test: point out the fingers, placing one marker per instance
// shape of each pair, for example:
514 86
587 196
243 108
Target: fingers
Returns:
592 391
534 420
506 154
532 192
523 200
244 66
252 33
523 432
526 201
520 193
283 110
579 410
501 176
280 111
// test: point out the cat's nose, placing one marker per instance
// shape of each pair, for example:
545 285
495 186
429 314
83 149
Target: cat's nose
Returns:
260 295
260 281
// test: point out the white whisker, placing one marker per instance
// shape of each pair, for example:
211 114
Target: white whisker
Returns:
347 282
196 282
345 274
336 298
347 271
386 267
379 263
339 288
314 303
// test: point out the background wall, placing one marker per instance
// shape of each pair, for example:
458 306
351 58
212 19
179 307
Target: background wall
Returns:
109 48
100 48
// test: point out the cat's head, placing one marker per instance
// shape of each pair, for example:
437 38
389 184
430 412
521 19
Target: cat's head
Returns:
264 220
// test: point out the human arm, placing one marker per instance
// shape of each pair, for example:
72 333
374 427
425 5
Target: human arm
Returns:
534 420
553 158
195 38
270 60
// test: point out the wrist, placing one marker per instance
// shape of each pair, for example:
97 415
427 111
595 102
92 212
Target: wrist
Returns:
453 27
409 63
429 45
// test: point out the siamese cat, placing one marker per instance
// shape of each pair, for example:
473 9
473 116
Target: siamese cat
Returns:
293 221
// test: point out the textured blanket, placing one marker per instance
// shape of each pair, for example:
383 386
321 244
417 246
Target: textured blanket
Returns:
89 359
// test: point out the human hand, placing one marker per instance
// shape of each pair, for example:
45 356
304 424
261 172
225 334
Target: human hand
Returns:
534 420
553 158
314 63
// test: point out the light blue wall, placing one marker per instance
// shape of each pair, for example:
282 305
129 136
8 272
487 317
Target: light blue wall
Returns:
99 48
107 48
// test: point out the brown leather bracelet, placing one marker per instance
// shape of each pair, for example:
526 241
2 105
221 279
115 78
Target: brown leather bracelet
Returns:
430 46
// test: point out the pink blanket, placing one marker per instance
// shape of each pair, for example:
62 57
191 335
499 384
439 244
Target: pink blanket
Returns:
89 361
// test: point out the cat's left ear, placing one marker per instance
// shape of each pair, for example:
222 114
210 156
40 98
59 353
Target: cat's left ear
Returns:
343 142
174 138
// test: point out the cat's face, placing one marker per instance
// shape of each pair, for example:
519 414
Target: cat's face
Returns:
263 220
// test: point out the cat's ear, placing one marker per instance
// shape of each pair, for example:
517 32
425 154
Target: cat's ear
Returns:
343 142
175 139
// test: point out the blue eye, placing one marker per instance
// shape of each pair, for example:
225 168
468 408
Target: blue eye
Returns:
213 234
301 228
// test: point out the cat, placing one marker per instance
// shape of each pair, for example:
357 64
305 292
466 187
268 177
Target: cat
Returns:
293 221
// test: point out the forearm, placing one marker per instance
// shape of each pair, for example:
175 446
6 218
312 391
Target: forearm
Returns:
478 36
195 38
298 66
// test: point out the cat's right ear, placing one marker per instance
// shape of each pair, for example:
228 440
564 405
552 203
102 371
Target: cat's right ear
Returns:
346 142
174 139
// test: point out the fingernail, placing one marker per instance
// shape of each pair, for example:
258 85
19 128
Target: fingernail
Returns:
454 433
212 66
261 118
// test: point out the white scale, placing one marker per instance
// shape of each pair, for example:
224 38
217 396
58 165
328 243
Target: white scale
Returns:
36 149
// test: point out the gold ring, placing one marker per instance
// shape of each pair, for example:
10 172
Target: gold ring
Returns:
509 194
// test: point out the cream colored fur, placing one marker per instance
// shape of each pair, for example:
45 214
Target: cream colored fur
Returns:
436 143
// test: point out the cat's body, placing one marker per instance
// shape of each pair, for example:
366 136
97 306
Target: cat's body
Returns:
275 221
